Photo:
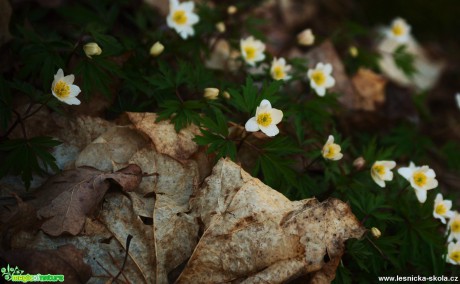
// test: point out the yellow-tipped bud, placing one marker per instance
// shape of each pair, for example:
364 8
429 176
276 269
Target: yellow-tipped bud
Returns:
376 232
306 37
220 26
92 49
226 95
353 51
156 49
211 93
232 10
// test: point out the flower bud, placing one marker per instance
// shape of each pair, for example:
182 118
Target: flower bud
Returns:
156 49
359 163
211 93
91 49
353 51
376 232
220 26
306 37
226 95
232 10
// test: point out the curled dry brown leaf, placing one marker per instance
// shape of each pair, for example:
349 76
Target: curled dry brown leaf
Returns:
66 260
254 234
76 193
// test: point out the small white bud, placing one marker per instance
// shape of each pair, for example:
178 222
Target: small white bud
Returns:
232 10
92 49
306 37
376 232
220 26
211 93
156 49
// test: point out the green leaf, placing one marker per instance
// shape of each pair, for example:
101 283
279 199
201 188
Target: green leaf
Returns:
404 60
25 157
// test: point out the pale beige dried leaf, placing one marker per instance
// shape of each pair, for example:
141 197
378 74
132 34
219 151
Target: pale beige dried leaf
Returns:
120 219
175 231
68 198
112 150
255 234
370 89
179 145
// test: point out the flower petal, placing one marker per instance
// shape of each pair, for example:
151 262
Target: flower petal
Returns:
320 91
276 115
251 125
327 68
377 180
265 105
421 195
270 130
74 90
406 172
69 79
72 101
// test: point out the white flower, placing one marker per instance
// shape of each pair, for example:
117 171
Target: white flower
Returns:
92 49
421 179
376 232
305 37
279 69
320 78
211 93
381 172
331 151
266 119
252 50
454 227
442 208
64 90
399 30
453 253
157 48
181 18
457 98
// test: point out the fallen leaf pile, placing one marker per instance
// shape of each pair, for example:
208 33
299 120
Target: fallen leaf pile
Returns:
144 180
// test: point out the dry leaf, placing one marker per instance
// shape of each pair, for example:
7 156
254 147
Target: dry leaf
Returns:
66 260
370 89
254 234
178 145
76 194
112 150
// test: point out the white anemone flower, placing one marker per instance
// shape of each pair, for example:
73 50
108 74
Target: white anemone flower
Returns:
320 78
279 70
421 179
63 88
381 172
182 18
265 120
453 253
399 30
454 227
442 208
331 151
252 50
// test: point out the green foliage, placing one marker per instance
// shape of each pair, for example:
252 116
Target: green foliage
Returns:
404 60
27 156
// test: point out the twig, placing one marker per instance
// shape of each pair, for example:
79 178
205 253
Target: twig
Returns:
128 242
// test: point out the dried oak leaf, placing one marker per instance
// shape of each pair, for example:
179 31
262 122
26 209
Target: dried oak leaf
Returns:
66 260
370 89
75 194
254 234
179 145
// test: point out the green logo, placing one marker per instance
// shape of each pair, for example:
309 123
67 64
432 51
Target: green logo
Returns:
14 274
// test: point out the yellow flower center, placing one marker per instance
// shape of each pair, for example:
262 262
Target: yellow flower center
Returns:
455 226
319 78
379 169
420 179
250 52
180 17
278 72
440 209
264 119
398 30
455 256
62 89
331 151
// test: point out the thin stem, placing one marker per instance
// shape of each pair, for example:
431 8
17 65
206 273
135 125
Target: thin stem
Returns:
312 162
242 141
